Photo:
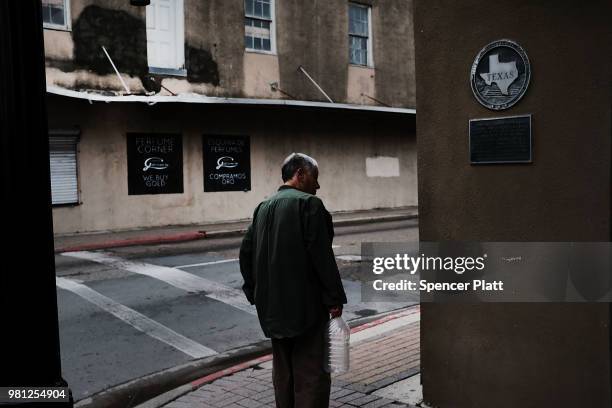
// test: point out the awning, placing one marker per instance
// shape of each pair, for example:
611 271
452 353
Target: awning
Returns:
197 98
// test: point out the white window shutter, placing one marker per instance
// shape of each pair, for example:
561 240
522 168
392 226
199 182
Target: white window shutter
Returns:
63 166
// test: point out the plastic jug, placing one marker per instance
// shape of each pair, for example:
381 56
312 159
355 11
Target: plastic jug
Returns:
337 346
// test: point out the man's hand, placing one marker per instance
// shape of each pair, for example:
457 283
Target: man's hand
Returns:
335 311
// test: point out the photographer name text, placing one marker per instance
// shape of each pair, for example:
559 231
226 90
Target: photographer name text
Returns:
425 286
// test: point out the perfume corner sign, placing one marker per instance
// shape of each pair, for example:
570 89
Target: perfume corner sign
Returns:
155 163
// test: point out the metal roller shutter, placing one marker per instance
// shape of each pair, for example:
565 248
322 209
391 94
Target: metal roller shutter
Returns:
62 157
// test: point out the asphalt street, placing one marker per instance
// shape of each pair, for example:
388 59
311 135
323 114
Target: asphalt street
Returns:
129 312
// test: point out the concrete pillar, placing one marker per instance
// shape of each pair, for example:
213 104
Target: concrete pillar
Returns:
509 355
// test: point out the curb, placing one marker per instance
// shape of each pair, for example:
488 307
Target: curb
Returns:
368 220
165 398
151 387
196 235
148 240
339 223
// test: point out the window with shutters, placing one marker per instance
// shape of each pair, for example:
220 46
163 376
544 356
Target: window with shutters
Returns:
63 166
360 35
259 29
56 14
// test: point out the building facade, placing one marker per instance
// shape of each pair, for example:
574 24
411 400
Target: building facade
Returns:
182 111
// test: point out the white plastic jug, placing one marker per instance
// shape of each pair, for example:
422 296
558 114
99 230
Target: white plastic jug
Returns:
337 346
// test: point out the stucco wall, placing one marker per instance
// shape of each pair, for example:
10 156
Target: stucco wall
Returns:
361 85
393 36
313 34
260 71
340 141
509 355
214 43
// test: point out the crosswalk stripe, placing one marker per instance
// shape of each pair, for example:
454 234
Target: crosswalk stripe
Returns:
207 263
341 257
352 258
137 320
173 276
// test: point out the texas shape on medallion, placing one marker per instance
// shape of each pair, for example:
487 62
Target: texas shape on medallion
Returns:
501 73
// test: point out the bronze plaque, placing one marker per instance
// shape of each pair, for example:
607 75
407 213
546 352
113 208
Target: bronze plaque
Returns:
501 140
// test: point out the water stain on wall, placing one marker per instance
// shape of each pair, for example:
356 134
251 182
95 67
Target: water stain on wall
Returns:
123 35
201 67
125 38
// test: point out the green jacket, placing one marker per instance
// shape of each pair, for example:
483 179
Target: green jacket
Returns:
288 265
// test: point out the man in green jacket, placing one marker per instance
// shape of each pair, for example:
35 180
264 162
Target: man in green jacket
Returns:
290 275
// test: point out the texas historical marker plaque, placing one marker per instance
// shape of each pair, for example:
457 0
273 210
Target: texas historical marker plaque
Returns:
500 74
501 140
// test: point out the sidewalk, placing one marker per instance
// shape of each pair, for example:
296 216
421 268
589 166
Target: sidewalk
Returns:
385 362
170 234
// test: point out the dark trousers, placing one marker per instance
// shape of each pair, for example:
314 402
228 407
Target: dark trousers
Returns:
297 370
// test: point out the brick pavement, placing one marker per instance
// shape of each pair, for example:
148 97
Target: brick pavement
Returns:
376 362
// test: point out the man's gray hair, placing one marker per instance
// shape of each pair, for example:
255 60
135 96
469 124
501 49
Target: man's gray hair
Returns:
296 161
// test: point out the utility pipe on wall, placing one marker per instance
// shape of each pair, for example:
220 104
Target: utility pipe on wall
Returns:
301 68
116 71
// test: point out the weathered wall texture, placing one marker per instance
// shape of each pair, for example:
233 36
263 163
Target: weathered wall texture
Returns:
121 33
509 355
76 60
393 34
58 46
361 85
260 71
341 142
214 50
313 34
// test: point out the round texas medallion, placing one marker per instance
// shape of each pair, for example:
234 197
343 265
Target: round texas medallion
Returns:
500 74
